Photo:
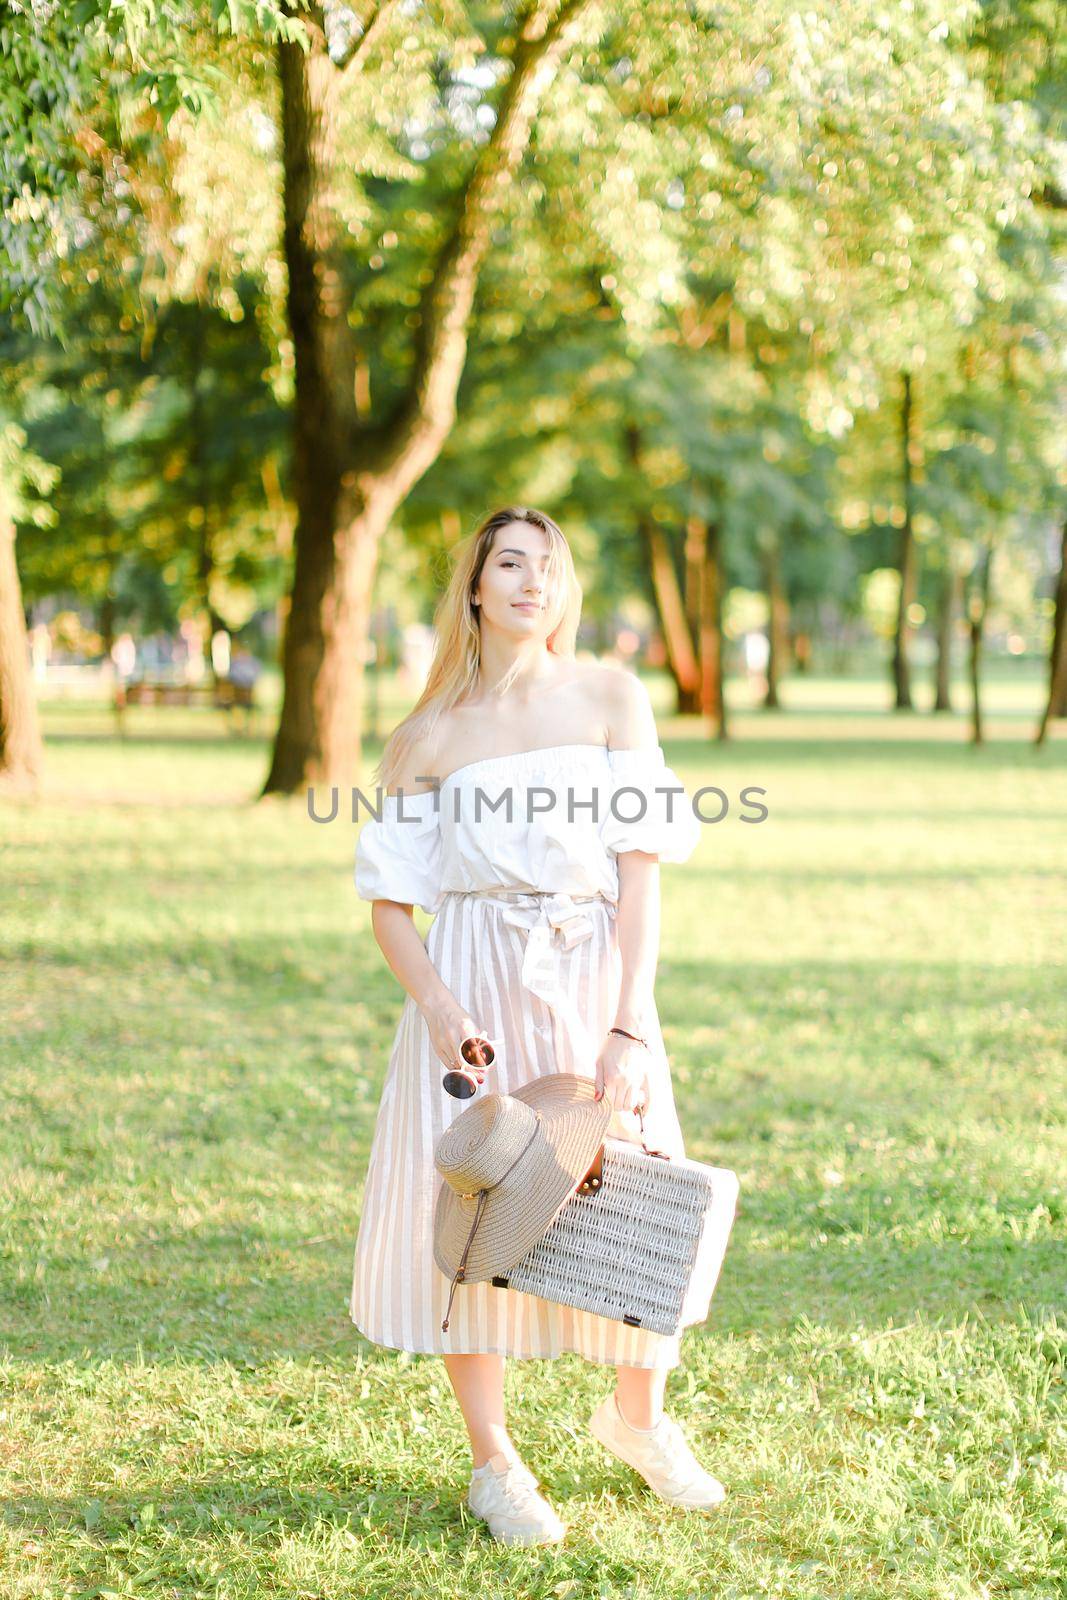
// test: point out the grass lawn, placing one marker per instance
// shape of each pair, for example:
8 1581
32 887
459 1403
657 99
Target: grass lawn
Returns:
865 1002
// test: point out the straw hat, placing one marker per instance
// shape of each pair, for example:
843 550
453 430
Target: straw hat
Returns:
510 1163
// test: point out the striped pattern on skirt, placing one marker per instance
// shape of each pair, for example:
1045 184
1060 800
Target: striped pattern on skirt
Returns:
477 943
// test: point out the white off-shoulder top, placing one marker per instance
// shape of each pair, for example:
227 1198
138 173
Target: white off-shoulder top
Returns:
573 809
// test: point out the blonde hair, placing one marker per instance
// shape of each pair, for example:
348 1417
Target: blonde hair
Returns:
453 674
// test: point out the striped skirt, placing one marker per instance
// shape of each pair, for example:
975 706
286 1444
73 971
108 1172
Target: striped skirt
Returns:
540 975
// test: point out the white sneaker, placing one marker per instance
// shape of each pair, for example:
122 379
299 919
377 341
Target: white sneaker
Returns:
661 1455
504 1494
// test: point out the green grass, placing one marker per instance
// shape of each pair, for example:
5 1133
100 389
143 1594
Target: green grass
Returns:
864 1000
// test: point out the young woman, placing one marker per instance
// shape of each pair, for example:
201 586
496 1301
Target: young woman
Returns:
509 714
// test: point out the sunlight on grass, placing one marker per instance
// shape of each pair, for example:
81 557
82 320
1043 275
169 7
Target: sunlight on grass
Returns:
864 1002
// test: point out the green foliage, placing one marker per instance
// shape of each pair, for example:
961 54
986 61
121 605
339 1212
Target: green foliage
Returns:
25 478
160 452
733 231
45 73
52 57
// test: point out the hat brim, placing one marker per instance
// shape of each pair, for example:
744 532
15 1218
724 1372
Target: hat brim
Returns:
522 1207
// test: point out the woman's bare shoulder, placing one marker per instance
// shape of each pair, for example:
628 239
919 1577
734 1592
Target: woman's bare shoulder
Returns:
601 682
631 722
417 772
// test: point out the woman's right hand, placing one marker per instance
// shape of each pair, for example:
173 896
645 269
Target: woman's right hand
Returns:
448 1026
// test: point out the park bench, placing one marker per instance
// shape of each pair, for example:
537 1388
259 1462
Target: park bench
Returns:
223 695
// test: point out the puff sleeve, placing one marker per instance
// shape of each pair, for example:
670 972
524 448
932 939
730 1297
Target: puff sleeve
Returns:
639 816
399 857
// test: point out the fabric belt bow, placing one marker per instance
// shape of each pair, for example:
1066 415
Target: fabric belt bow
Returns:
556 923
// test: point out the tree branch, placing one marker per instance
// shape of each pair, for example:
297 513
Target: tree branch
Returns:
415 435
376 20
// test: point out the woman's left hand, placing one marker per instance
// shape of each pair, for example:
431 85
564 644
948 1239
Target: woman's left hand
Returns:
622 1073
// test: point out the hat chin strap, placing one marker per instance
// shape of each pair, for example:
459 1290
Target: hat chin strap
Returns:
461 1270
483 1195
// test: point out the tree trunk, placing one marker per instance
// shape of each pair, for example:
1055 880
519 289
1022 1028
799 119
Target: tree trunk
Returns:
906 551
670 606
205 574
976 679
694 555
349 474
778 623
283 540
199 480
105 621
978 610
713 694
21 750
681 653
1059 628
948 600
1056 705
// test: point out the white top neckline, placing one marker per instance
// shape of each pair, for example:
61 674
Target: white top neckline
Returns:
519 756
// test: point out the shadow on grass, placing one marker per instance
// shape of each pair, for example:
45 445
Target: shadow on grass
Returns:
195 1512
169 1299
892 748
193 739
686 752
233 1125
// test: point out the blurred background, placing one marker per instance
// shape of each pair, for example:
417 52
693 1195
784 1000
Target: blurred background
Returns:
766 309
765 305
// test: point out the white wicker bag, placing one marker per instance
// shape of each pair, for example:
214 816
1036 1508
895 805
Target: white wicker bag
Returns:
641 1240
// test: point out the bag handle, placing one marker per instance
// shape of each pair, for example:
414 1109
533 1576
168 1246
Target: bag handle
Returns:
640 1114
594 1177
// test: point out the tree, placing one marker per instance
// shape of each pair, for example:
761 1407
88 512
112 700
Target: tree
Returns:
21 753
948 603
350 475
1056 704
910 462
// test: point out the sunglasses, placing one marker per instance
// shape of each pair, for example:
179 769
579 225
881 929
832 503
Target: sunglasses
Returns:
477 1052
